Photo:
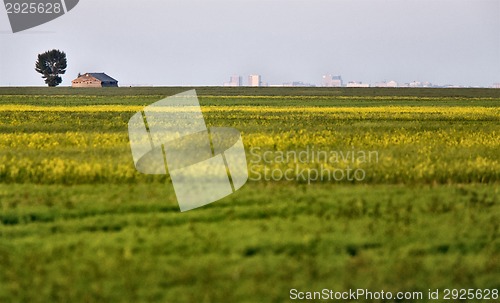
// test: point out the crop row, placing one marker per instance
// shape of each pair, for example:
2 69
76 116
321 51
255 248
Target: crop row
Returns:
89 144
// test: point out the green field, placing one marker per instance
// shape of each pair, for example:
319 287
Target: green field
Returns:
79 224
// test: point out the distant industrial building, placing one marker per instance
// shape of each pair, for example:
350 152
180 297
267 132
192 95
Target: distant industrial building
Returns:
386 84
357 84
234 81
392 84
420 84
254 80
332 81
94 80
298 84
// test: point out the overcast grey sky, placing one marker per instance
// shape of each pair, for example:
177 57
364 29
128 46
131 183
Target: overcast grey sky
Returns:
203 42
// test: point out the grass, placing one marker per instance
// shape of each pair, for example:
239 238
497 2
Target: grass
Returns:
95 244
78 224
257 91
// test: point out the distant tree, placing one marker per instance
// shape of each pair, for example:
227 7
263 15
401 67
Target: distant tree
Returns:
51 64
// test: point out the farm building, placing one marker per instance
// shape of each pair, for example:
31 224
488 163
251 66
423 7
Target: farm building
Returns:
94 80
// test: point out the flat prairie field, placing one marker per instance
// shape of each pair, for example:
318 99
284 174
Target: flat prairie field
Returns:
394 190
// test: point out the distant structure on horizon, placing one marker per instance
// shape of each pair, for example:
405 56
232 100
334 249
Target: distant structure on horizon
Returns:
496 85
336 81
392 84
254 80
332 81
386 84
298 84
234 81
94 80
419 84
357 84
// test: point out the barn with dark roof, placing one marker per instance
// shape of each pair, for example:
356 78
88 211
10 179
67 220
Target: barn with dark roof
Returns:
94 80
